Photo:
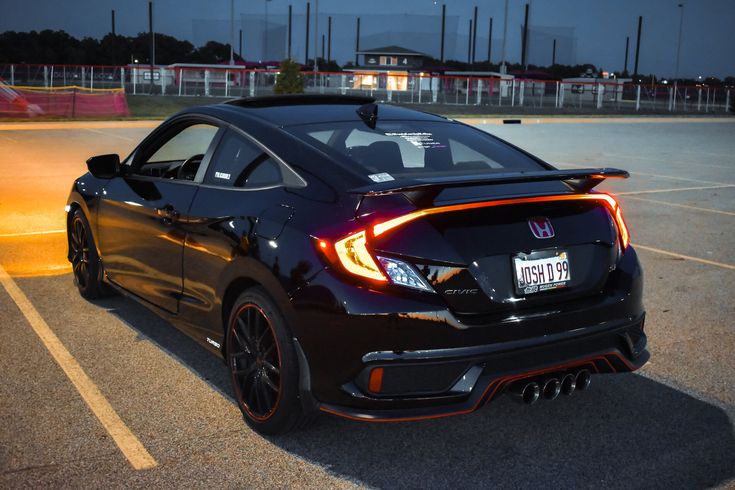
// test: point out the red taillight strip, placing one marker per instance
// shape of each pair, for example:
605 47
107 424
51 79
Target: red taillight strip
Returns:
610 201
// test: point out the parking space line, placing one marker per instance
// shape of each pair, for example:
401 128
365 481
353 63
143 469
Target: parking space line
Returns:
675 189
136 454
109 134
31 233
685 257
685 206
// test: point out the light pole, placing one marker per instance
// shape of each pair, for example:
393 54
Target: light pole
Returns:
503 67
232 32
265 33
678 44
316 35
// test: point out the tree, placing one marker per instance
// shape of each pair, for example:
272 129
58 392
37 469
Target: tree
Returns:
289 79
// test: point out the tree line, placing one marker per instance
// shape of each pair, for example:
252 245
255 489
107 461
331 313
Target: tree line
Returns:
50 47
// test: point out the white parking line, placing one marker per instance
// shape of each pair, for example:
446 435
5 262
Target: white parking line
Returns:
31 233
685 206
109 134
685 257
675 189
136 454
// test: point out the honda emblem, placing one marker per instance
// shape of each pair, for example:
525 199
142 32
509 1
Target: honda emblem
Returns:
541 227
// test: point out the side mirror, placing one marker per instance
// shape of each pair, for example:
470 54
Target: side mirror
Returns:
104 166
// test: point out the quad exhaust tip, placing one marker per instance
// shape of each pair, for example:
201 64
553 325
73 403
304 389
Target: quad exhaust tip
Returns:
551 389
529 392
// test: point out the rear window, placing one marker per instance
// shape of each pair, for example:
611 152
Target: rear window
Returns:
414 149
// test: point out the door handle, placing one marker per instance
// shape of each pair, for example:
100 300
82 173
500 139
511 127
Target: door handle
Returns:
168 212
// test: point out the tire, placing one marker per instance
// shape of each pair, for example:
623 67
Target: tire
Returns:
86 263
263 366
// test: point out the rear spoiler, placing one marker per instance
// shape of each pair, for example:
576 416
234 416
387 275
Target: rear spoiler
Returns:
581 180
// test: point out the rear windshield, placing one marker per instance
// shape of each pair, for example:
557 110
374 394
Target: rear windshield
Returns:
414 149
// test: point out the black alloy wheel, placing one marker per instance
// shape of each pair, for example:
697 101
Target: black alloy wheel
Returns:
255 362
85 262
263 366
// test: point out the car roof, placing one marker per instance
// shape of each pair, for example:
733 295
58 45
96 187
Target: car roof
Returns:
293 110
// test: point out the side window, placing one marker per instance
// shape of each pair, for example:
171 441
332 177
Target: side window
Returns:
240 163
180 153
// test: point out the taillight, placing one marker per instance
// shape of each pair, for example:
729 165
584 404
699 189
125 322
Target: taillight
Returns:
354 256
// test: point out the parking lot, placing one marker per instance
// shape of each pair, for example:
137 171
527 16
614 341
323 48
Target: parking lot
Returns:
169 401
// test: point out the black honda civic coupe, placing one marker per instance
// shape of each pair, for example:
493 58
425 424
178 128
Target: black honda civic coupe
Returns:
364 260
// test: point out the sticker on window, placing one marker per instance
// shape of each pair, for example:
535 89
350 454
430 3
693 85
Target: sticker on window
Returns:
419 140
381 177
222 175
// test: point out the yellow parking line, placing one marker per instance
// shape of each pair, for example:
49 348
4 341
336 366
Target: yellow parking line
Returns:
675 189
30 233
685 257
685 206
129 445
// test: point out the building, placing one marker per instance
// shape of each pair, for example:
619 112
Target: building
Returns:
386 68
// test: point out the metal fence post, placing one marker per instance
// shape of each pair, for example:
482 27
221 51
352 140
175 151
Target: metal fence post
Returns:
673 102
162 79
91 78
467 93
343 84
227 83
252 84
181 79
51 78
727 101
435 93
706 105
45 76
135 80
638 98
513 93
479 92
82 76
390 95
521 93
671 96
122 78
599 96
561 95
206 83
12 74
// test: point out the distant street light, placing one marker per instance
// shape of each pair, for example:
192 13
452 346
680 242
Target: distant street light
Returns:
678 44
265 33
232 32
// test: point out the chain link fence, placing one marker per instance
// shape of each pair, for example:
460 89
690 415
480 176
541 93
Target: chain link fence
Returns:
395 87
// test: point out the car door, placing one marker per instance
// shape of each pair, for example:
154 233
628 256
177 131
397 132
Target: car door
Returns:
235 220
141 214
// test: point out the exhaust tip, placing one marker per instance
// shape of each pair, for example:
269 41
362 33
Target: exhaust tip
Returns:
568 384
583 379
551 388
527 393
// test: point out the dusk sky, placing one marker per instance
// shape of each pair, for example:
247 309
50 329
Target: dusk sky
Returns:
595 30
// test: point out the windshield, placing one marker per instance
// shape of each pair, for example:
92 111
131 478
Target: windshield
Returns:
414 149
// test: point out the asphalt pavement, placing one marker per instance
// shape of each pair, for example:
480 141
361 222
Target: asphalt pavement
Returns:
669 425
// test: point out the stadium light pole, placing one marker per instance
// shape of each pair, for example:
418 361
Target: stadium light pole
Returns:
153 42
678 44
503 66
290 15
474 35
306 51
232 32
444 20
357 42
627 44
638 46
265 33
113 22
490 41
316 35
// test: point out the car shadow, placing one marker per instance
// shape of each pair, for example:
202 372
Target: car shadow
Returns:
626 431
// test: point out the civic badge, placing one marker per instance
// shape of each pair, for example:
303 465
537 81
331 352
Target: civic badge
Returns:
541 227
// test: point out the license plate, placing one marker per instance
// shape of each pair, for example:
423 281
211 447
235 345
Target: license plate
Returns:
541 271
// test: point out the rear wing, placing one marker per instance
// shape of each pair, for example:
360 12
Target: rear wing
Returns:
580 180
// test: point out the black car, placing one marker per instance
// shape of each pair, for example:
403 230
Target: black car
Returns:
364 260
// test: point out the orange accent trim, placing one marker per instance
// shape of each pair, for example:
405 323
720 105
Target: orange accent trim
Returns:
609 200
496 384
376 380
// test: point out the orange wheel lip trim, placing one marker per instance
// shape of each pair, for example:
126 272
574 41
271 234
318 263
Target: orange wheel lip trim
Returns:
278 350
495 384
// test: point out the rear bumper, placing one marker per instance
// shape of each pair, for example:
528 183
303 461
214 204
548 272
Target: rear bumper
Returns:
487 372
436 363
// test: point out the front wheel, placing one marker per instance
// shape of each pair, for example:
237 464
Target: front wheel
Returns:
85 262
263 364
